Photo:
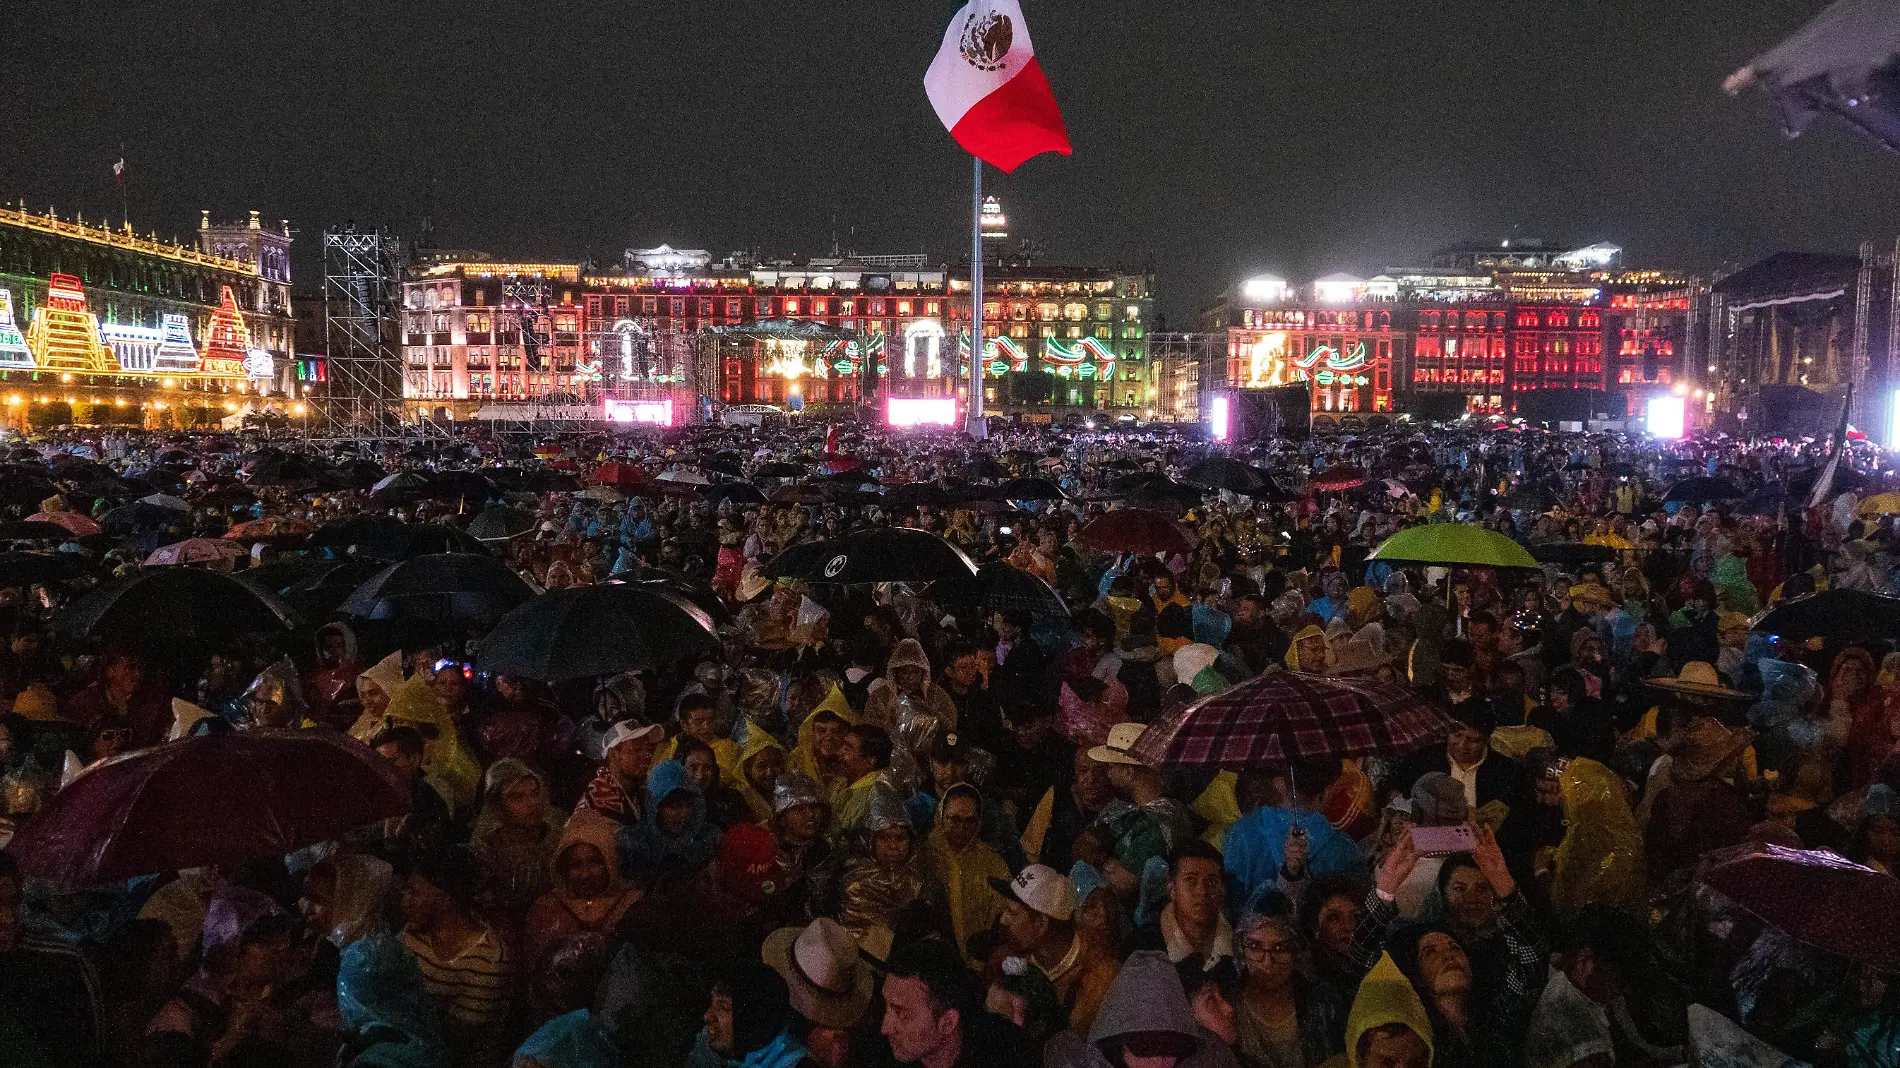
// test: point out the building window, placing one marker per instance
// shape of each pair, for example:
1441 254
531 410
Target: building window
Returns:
732 309
877 307
848 307
903 307
649 305
705 309
1132 312
791 306
933 308
763 307
818 305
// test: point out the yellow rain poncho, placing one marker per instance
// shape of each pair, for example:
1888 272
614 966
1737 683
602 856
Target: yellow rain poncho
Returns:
757 741
804 757
965 877
1600 861
1293 651
448 767
1385 997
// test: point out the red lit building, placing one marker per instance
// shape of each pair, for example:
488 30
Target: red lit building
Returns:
1460 348
1554 346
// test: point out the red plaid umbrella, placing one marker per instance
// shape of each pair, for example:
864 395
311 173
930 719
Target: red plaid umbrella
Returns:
1134 530
1285 716
1830 903
1339 477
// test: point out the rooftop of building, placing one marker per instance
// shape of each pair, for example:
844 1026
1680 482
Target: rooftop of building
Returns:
121 237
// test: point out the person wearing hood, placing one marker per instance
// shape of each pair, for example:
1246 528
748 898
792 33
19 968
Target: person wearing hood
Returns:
761 764
388 1016
588 895
246 953
697 717
616 698
960 866
885 878
675 837
1145 1022
275 699
330 690
516 834
905 702
1600 860
800 815
1387 1026
1307 651
390 700
821 742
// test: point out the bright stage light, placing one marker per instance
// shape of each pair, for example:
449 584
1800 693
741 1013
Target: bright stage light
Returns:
920 411
1666 417
1219 416
652 413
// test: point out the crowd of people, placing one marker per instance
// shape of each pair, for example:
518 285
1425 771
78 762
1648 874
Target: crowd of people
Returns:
886 823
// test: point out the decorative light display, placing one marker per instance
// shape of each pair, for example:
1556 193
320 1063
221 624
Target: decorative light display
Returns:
1351 361
163 349
227 341
65 335
786 360
995 349
920 411
13 350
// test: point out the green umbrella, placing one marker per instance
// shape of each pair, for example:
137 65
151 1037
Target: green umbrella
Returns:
1453 544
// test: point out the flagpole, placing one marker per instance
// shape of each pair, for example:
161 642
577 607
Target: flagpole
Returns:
978 426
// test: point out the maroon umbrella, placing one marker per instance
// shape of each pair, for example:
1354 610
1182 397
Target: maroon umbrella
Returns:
1815 896
1134 530
214 799
1284 716
1339 477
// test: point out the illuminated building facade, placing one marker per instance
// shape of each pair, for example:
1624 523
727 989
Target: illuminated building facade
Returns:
845 329
109 326
1486 323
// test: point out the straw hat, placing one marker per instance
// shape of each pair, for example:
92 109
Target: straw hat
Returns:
1121 743
1697 677
829 984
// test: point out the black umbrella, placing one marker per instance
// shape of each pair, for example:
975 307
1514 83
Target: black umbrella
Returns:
1030 488
466 486
1702 490
1223 473
406 541
880 554
924 494
1842 615
287 471
500 523
33 530
446 587
1571 552
736 492
1165 494
1766 500
321 585
779 469
602 629
167 603
984 467
1003 587
24 486
36 569
137 516
356 530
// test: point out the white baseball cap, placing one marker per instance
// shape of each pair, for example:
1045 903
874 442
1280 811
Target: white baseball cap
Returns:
1041 888
627 730
1121 743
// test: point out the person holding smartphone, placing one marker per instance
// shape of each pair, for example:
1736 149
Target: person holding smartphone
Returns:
1478 982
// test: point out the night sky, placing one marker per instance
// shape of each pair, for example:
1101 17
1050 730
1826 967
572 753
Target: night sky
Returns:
1212 137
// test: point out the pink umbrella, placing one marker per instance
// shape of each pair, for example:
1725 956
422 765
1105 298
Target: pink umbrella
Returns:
76 523
195 551
1815 896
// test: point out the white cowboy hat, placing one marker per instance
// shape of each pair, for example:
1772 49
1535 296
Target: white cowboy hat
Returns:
829 984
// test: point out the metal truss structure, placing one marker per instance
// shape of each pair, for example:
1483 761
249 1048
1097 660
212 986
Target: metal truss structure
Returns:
361 398
1183 369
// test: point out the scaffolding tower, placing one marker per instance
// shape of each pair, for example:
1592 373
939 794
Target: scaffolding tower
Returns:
1183 370
362 395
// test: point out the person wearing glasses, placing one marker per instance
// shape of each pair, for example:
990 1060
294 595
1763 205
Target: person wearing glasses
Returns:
1284 1020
